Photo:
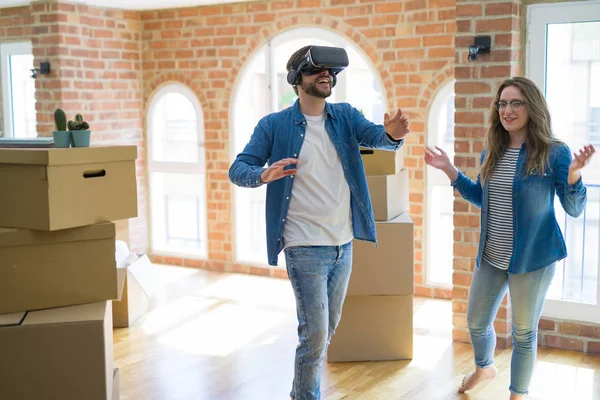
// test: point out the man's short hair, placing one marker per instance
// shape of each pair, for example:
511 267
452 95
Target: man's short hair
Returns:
295 60
297 57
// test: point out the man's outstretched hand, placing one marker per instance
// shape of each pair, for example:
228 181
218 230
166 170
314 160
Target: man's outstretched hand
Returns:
398 126
276 170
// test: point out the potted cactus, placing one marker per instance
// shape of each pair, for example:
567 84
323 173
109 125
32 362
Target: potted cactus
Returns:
62 137
80 130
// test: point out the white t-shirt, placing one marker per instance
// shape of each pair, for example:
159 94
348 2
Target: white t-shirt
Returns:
319 210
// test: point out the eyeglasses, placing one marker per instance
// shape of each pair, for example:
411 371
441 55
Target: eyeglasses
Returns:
515 104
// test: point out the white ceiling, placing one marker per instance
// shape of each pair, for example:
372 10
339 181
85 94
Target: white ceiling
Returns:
133 4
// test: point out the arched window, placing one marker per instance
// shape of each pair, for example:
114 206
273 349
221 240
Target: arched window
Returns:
176 167
263 89
17 91
440 196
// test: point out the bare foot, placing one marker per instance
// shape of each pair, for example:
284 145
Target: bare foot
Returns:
477 376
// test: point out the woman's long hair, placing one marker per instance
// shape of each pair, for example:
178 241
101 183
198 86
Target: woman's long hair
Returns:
539 136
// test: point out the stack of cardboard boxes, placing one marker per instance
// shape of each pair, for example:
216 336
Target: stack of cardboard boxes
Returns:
57 269
377 317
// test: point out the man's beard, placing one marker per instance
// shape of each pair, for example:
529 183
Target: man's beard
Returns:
313 90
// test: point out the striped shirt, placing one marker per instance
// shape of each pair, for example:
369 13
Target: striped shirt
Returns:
499 241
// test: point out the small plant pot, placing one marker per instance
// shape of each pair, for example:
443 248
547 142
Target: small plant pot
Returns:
81 138
62 139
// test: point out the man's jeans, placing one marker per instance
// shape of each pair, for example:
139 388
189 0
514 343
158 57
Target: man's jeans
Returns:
527 296
319 276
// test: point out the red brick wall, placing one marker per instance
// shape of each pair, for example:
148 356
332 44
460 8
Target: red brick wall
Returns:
95 57
570 335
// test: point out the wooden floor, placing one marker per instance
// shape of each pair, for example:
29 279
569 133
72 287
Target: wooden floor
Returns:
231 336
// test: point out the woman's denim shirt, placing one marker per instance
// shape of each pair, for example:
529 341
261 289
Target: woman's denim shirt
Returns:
280 135
537 239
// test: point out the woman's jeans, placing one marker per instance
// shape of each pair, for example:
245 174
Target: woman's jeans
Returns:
319 276
527 296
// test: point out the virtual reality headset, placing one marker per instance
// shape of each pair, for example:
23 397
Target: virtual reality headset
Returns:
318 59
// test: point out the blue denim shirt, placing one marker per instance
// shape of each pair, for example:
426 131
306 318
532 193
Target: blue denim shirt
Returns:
280 135
537 239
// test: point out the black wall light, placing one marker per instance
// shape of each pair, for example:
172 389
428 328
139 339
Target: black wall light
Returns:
44 69
481 45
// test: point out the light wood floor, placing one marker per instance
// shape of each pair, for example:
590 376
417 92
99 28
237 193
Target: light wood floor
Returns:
231 336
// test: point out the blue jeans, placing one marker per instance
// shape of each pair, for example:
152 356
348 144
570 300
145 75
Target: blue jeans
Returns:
319 276
527 295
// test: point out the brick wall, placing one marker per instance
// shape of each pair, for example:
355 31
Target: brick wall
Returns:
410 44
95 61
569 335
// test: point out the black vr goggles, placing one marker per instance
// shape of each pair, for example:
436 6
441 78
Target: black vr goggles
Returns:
319 59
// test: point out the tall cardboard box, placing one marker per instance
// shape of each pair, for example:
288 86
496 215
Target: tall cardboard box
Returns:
389 195
53 189
388 268
382 162
58 354
41 270
373 328
377 316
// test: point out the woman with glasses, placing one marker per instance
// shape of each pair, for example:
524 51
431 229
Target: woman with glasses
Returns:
523 167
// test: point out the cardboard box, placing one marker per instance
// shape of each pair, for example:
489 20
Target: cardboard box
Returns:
57 354
382 162
136 278
116 390
374 328
389 195
52 189
41 270
389 268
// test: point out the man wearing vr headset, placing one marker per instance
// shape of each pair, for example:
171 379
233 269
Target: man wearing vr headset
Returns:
317 196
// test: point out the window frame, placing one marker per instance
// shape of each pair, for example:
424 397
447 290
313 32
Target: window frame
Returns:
538 17
197 168
432 177
7 50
